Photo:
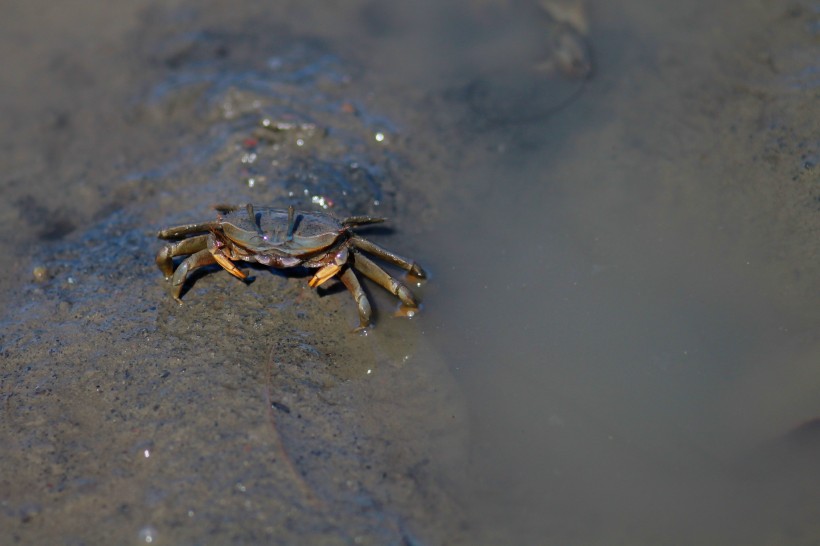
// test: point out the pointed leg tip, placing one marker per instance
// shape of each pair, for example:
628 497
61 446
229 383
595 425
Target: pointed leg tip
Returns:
406 311
362 329
416 274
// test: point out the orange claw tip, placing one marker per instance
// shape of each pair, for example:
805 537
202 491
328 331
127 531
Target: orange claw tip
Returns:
324 275
316 280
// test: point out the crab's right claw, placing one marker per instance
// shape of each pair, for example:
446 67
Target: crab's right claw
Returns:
324 275
229 266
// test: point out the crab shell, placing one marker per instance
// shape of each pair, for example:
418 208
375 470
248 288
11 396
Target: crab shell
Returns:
285 238
266 240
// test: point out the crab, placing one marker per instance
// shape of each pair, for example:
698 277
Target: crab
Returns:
283 239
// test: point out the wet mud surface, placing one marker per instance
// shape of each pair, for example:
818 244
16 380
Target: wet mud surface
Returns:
619 212
250 414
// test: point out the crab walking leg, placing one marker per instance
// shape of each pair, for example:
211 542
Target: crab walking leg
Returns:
378 275
349 279
189 264
372 248
179 232
353 221
165 257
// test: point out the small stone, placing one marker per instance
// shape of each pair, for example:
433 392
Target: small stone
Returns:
40 273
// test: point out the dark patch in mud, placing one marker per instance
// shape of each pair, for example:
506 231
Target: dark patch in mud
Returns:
48 225
497 102
282 129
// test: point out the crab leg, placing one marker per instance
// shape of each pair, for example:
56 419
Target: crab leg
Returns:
372 248
349 279
179 232
353 221
165 257
369 269
189 264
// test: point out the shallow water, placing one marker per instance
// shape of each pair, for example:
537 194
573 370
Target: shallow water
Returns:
635 292
617 343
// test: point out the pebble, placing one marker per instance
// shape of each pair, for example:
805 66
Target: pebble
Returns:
40 273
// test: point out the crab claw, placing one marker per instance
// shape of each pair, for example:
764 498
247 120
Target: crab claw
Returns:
324 274
230 267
